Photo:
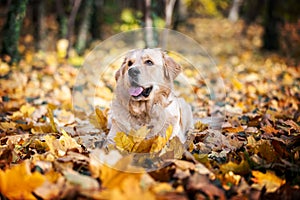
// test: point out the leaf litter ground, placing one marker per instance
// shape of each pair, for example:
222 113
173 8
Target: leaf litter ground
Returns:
46 151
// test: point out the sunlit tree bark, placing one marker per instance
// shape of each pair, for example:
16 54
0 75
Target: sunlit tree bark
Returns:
84 26
148 24
234 11
169 7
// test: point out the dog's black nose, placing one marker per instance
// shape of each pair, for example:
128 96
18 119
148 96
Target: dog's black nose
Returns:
133 72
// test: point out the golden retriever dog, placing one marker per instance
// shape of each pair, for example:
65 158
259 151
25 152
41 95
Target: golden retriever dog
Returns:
144 96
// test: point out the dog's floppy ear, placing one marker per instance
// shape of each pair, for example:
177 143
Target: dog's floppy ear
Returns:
171 68
121 69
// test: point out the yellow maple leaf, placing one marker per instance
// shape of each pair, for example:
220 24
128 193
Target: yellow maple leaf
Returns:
242 168
27 110
51 118
119 184
19 183
269 180
60 146
135 141
139 135
101 118
161 141
123 142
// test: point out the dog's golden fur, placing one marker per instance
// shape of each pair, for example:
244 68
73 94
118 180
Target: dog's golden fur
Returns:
144 96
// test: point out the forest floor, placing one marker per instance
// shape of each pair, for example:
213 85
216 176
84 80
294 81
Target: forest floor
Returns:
47 151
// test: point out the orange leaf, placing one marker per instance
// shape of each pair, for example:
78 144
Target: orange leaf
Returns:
19 183
234 129
269 129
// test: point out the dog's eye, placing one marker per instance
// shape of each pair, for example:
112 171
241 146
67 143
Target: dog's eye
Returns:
148 62
130 63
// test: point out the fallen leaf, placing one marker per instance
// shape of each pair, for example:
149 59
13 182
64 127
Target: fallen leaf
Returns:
4 68
7 125
230 179
269 129
19 182
242 168
135 141
123 142
268 180
198 182
100 119
51 118
60 146
82 181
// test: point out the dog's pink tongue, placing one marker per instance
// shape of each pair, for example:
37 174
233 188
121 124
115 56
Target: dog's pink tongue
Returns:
135 91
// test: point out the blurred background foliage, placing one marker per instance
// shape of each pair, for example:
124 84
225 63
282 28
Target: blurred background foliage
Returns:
71 27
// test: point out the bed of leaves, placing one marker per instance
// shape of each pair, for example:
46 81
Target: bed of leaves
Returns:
48 152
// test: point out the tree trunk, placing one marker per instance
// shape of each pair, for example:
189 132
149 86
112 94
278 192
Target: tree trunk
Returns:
271 32
97 17
84 27
12 28
149 37
62 19
71 23
234 11
39 19
169 7
180 13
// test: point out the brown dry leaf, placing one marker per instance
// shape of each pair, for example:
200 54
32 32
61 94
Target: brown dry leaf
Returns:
269 129
266 151
174 149
198 182
293 125
268 180
19 183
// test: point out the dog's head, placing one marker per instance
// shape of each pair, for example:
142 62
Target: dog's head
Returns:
146 74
